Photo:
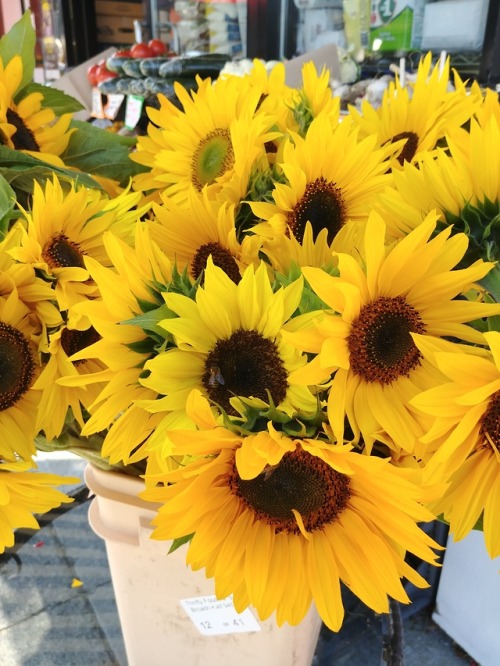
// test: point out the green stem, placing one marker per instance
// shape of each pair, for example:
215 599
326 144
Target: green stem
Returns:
491 283
88 448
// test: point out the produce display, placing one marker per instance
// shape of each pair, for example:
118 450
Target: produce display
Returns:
98 72
146 69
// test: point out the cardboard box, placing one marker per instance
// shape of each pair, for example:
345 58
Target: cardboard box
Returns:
111 8
326 56
115 29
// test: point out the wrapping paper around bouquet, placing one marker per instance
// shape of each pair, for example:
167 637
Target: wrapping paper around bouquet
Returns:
75 84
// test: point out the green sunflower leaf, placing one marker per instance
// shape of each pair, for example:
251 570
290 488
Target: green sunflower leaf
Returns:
7 203
146 346
177 543
181 283
302 113
146 306
491 282
310 302
299 429
149 321
481 223
479 523
294 273
54 99
494 323
20 40
21 170
102 153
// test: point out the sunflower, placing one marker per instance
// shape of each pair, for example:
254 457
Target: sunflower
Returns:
56 399
35 292
23 493
214 143
27 125
148 145
364 342
293 108
466 408
276 98
489 105
189 235
127 290
416 119
19 363
332 181
228 344
313 98
62 227
283 521
463 184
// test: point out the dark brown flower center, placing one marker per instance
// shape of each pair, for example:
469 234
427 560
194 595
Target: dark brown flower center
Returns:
73 341
246 364
212 158
221 258
489 434
323 206
300 481
380 343
17 365
23 138
271 148
262 98
409 148
61 252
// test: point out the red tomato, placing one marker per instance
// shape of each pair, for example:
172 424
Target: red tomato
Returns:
122 53
92 74
141 50
158 47
103 74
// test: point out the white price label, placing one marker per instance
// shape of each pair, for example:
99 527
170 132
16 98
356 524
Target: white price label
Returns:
97 109
133 110
212 616
113 105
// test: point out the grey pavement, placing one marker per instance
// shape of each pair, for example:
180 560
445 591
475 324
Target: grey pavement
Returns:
45 621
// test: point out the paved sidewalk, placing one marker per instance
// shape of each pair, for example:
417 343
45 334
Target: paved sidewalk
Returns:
45 621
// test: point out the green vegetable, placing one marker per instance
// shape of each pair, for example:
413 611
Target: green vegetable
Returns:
115 63
137 87
215 55
123 84
157 84
205 65
151 66
110 86
132 67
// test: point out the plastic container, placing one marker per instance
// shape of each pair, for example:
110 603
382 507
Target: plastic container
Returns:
150 585
468 598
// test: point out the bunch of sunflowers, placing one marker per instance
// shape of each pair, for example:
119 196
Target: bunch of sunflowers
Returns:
283 317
